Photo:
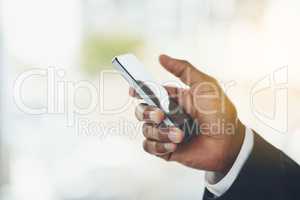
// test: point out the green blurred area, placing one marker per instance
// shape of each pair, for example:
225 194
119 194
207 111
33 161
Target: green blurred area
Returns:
98 50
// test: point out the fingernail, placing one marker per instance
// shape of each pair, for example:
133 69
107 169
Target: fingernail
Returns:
175 136
170 147
155 116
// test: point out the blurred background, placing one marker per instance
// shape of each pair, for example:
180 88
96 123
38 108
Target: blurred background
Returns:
252 44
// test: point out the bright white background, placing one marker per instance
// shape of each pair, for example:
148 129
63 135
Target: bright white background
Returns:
234 40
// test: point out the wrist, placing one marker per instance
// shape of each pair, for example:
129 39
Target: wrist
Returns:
235 146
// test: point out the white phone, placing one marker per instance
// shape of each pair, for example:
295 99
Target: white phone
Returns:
154 94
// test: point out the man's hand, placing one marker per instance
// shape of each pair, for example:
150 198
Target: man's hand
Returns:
219 143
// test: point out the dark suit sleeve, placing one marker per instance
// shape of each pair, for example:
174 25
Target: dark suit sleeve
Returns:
267 174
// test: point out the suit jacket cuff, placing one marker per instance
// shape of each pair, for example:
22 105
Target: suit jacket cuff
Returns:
218 184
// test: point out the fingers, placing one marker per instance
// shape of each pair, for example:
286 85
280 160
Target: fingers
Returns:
158 148
149 114
169 134
183 70
161 141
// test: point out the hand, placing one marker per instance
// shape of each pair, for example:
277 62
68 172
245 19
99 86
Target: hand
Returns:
222 134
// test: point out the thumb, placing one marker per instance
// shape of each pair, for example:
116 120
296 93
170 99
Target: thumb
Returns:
182 69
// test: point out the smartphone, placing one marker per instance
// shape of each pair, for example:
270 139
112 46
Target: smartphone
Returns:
155 95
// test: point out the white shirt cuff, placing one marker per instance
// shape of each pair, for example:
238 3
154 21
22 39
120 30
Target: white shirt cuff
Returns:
218 188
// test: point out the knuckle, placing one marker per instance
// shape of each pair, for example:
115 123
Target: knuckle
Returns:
158 148
149 131
160 136
145 146
145 129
